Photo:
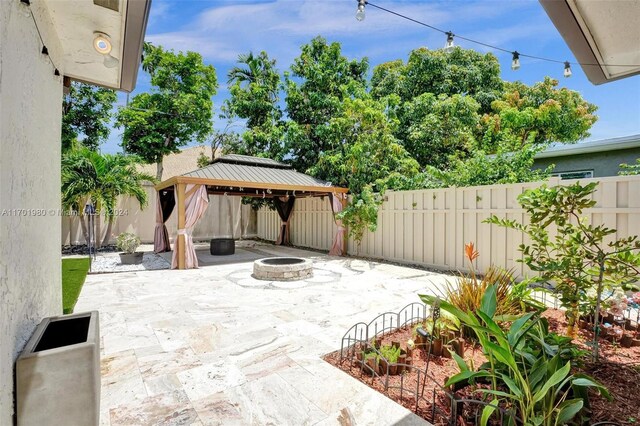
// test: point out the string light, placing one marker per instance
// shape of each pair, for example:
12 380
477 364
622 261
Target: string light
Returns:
567 70
449 45
25 6
360 12
515 63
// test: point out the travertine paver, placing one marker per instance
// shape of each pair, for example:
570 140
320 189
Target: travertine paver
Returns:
213 346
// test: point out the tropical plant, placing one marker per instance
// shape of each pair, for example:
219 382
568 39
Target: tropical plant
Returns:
178 110
581 256
254 85
467 290
86 114
528 369
99 179
127 242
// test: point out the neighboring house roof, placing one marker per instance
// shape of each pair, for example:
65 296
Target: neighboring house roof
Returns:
602 35
179 163
78 23
251 176
614 144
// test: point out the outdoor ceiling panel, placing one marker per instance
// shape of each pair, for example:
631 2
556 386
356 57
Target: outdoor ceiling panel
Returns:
75 22
600 34
612 29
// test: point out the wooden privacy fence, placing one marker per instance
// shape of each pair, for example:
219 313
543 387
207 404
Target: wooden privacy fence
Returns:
430 227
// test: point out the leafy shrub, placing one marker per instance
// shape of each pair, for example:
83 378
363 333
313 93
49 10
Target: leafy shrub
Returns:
390 353
528 368
127 242
580 257
466 292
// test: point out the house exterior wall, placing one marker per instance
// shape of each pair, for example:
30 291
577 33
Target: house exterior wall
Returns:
603 164
30 117
430 227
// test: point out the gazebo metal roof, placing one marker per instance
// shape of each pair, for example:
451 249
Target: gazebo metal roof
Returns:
253 176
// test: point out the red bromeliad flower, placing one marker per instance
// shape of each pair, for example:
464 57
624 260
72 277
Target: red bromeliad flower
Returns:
470 252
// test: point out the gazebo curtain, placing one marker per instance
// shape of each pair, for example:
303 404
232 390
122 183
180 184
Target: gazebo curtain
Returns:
195 205
337 248
284 207
165 203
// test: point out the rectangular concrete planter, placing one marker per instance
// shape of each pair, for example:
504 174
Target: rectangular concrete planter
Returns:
58 373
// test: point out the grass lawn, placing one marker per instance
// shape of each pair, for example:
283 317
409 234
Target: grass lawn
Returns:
74 272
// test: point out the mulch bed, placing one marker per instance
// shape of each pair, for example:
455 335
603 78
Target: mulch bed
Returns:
618 370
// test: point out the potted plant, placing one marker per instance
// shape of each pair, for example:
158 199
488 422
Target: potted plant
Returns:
128 243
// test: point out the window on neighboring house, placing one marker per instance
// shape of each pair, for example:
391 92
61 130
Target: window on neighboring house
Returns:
578 174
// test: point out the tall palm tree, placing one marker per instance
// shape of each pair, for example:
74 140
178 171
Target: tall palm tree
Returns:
249 74
88 176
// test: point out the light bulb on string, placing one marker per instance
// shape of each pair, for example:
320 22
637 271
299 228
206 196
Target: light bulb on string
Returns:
515 62
360 12
449 45
567 70
25 8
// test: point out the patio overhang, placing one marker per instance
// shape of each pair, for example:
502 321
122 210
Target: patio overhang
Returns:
78 24
602 35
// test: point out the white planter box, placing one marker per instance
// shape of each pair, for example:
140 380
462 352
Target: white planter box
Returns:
58 373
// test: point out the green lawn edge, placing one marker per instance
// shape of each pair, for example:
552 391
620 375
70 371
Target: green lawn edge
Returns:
74 272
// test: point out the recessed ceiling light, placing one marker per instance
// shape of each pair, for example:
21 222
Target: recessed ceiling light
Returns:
102 43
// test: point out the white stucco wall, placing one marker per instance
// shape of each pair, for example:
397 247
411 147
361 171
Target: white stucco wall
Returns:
30 115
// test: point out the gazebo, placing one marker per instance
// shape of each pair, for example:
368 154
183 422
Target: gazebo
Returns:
238 175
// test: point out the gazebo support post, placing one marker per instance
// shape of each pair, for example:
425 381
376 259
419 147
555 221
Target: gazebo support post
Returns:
180 240
344 202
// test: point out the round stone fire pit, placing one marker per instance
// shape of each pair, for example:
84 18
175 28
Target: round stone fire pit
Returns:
282 269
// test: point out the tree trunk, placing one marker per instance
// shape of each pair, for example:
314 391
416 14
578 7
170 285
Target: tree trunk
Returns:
596 316
159 169
83 225
105 241
159 166
98 234
573 315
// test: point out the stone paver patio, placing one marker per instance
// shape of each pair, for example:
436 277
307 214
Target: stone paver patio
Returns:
213 346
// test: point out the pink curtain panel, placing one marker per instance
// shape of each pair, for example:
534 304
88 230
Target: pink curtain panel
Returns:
161 235
337 249
196 204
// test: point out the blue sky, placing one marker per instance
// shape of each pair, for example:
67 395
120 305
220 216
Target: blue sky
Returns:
220 30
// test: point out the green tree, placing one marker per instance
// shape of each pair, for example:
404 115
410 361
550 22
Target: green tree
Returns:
630 169
365 156
460 72
450 105
438 129
321 79
178 109
254 87
505 166
91 177
86 113
538 114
